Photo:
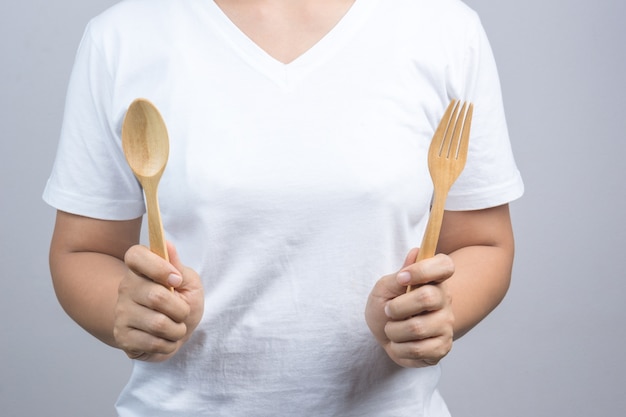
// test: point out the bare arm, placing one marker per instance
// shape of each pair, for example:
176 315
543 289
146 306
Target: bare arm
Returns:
87 266
481 246
456 289
118 290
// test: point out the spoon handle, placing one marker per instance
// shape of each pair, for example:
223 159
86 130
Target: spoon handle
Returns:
155 225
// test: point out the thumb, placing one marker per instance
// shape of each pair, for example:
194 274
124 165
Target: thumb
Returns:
411 258
174 280
189 280
173 256
388 286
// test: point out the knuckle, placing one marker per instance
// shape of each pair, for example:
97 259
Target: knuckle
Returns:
120 310
132 255
442 350
428 296
181 308
179 332
432 361
156 295
157 345
446 264
416 327
122 341
135 354
448 297
117 336
420 269
416 351
443 347
159 324
432 356
185 311
389 330
124 285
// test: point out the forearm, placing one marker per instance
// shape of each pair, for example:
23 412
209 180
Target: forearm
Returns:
86 263
86 285
450 295
480 282
482 246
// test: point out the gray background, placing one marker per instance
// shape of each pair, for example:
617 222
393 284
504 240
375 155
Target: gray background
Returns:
553 348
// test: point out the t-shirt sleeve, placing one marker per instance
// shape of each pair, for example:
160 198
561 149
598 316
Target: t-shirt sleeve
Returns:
490 177
90 176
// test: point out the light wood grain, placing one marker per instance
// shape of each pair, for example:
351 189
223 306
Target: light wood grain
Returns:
446 159
146 146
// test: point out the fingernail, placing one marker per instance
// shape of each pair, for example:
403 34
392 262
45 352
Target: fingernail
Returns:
387 310
174 280
403 277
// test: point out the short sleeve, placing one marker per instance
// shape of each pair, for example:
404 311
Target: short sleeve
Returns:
490 177
90 176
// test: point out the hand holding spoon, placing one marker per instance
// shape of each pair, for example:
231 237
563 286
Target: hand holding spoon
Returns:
146 147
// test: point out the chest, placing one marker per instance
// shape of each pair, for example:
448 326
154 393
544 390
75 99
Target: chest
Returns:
347 124
285 29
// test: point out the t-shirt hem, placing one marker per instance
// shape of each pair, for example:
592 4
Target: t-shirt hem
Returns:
94 207
492 197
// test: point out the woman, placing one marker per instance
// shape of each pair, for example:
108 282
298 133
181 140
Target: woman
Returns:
296 188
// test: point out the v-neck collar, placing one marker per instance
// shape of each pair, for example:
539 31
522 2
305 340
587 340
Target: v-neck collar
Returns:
290 74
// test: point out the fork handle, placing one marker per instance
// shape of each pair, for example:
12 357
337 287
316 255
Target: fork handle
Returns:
433 229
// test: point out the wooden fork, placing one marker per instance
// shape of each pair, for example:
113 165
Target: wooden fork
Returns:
446 159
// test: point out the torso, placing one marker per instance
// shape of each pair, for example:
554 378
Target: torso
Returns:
290 189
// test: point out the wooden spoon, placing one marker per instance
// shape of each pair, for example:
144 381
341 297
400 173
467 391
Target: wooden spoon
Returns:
146 147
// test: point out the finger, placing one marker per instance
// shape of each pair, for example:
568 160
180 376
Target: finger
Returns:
422 352
410 257
140 290
388 286
138 343
140 331
436 324
144 262
157 298
157 325
190 288
432 270
162 315
423 299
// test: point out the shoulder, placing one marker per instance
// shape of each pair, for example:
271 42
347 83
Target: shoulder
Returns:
137 25
450 10
139 9
136 16
440 30
446 17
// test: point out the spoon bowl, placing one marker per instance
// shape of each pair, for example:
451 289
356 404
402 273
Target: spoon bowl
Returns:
146 146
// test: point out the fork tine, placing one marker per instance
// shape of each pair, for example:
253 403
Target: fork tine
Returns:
449 140
439 136
455 141
467 124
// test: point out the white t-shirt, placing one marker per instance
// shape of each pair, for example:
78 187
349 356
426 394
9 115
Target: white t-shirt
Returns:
291 189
